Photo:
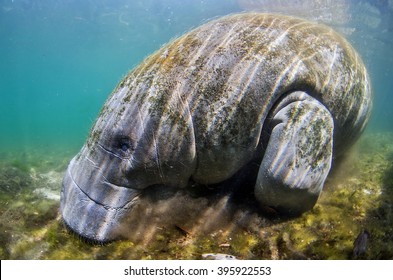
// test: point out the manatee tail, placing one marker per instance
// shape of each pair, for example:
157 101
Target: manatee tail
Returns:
298 154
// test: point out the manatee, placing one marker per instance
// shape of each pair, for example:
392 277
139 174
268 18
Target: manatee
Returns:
289 94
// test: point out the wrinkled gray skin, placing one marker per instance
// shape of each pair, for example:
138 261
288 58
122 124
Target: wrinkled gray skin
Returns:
292 93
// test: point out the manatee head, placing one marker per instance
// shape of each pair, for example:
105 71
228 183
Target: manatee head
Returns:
126 152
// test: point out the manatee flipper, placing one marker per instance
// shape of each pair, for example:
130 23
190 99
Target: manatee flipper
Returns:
298 155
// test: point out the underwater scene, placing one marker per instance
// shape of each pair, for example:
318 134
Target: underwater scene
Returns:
62 59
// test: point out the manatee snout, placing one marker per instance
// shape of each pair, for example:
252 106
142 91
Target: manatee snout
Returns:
99 205
288 94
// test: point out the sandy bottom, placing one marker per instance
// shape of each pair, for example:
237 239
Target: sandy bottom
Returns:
186 224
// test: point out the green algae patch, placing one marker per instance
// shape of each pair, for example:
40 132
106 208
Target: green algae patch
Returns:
357 196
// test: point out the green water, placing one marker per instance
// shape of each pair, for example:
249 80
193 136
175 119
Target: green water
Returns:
61 59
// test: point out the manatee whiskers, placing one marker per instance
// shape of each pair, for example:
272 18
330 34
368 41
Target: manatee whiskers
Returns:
84 238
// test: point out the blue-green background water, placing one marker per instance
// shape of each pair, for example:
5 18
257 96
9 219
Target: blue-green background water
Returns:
60 59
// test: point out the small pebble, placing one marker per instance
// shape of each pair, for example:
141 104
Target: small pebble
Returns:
219 256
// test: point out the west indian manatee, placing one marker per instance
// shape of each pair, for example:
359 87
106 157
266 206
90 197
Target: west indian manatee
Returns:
284 92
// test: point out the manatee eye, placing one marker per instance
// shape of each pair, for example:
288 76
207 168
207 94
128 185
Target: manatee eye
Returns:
124 147
123 143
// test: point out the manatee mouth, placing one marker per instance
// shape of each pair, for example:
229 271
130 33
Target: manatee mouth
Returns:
84 238
95 220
